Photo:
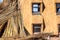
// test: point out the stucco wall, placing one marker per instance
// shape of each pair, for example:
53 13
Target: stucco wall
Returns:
29 19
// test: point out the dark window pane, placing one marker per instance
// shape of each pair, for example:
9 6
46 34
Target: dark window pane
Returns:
58 8
57 5
36 8
36 28
58 27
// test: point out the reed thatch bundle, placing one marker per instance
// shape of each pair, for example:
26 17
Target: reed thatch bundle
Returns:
13 17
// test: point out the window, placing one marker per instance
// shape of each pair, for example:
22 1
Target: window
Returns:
36 28
36 8
59 28
1 1
58 8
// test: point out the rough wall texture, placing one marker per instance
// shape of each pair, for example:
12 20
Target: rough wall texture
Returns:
49 15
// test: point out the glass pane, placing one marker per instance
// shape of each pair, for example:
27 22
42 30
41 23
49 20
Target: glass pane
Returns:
36 29
58 5
36 26
1 1
35 5
59 10
35 9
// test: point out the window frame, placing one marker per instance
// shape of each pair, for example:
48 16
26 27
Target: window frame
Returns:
57 8
40 27
37 12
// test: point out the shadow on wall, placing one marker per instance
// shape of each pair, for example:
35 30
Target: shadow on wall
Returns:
27 33
3 29
44 25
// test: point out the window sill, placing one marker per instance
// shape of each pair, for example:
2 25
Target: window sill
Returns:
36 32
36 13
